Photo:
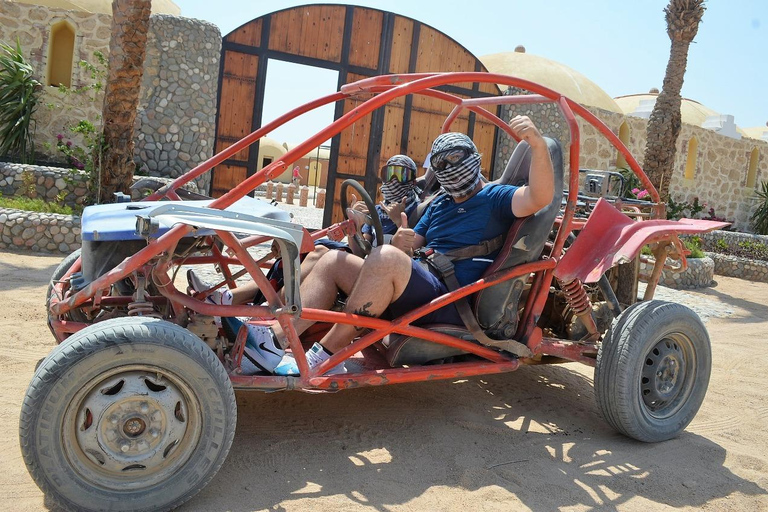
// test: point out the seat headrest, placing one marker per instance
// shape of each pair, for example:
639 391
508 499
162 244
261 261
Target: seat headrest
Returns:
518 166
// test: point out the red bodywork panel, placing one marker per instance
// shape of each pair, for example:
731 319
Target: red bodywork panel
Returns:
610 237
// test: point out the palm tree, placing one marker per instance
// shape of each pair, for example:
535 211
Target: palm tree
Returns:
127 47
683 17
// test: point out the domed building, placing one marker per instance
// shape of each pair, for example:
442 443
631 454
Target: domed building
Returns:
758 132
551 74
716 161
692 112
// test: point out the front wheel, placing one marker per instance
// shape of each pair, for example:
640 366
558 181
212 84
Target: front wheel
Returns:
653 370
127 414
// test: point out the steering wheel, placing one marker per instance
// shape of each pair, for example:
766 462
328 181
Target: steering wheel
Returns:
360 219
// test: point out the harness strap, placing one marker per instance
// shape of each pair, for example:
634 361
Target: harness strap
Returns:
484 248
443 265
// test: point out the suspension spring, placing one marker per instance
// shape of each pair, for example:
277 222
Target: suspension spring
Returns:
576 296
142 308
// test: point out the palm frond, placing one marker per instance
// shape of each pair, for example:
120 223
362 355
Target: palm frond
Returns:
760 216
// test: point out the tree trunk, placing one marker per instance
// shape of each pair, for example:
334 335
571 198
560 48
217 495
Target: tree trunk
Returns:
665 122
683 18
127 47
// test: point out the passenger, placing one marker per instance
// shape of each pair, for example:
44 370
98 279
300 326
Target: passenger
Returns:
469 212
398 187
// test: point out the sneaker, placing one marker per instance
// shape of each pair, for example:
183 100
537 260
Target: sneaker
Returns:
219 297
262 353
315 355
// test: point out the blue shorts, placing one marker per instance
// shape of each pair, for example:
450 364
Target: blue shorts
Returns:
422 287
332 244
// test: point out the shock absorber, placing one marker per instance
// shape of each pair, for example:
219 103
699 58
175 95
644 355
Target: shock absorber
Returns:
578 301
140 305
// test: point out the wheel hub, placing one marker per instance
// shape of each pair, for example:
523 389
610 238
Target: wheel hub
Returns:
663 375
134 425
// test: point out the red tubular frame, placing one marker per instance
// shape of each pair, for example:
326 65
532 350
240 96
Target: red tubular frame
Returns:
385 88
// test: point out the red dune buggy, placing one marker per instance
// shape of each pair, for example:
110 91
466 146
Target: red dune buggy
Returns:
135 408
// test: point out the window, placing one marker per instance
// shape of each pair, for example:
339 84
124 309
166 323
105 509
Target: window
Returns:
690 162
752 169
266 161
621 162
61 49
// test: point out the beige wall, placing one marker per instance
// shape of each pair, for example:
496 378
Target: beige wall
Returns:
721 169
32 25
722 164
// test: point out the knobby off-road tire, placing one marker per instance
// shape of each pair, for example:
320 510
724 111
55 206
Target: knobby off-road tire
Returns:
653 370
127 414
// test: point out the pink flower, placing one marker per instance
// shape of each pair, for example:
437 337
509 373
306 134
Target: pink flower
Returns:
635 190
59 137
641 194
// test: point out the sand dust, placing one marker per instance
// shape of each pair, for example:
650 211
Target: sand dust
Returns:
532 439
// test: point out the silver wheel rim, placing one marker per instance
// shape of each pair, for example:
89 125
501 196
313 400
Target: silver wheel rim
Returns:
668 375
131 428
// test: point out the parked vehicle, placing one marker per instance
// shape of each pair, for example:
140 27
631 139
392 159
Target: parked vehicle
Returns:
135 408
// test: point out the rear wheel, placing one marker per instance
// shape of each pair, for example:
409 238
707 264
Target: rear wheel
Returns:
127 414
653 370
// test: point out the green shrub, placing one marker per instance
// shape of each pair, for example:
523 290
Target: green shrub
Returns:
693 244
760 216
678 210
37 205
721 244
19 93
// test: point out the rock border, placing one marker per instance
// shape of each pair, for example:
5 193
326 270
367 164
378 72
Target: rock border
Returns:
699 274
40 232
736 266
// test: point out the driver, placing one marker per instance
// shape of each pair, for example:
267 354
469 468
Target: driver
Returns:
398 186
469 211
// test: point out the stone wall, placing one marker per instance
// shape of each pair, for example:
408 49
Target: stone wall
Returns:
177 112
177 120
42 232
743 268
50 183
721 169
699 274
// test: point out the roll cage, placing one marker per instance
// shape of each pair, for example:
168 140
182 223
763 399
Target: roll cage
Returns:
160 256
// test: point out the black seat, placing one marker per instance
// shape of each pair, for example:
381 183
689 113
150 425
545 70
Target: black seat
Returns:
496 307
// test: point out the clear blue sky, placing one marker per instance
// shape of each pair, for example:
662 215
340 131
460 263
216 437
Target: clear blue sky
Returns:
620 45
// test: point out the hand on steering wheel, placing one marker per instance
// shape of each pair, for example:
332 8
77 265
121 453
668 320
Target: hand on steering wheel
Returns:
370 217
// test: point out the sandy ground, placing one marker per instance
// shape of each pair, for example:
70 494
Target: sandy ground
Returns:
533 439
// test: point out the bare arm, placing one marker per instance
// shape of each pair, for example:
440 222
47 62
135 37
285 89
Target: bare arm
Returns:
541 184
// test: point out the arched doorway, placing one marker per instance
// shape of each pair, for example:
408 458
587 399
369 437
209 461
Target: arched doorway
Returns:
357 42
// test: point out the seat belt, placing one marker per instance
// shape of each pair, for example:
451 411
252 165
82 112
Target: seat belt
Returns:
444 266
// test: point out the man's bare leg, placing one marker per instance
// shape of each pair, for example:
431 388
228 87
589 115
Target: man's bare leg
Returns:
333 271
247 291
382 279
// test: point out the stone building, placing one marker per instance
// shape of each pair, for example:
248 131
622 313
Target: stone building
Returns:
177 112
716 161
